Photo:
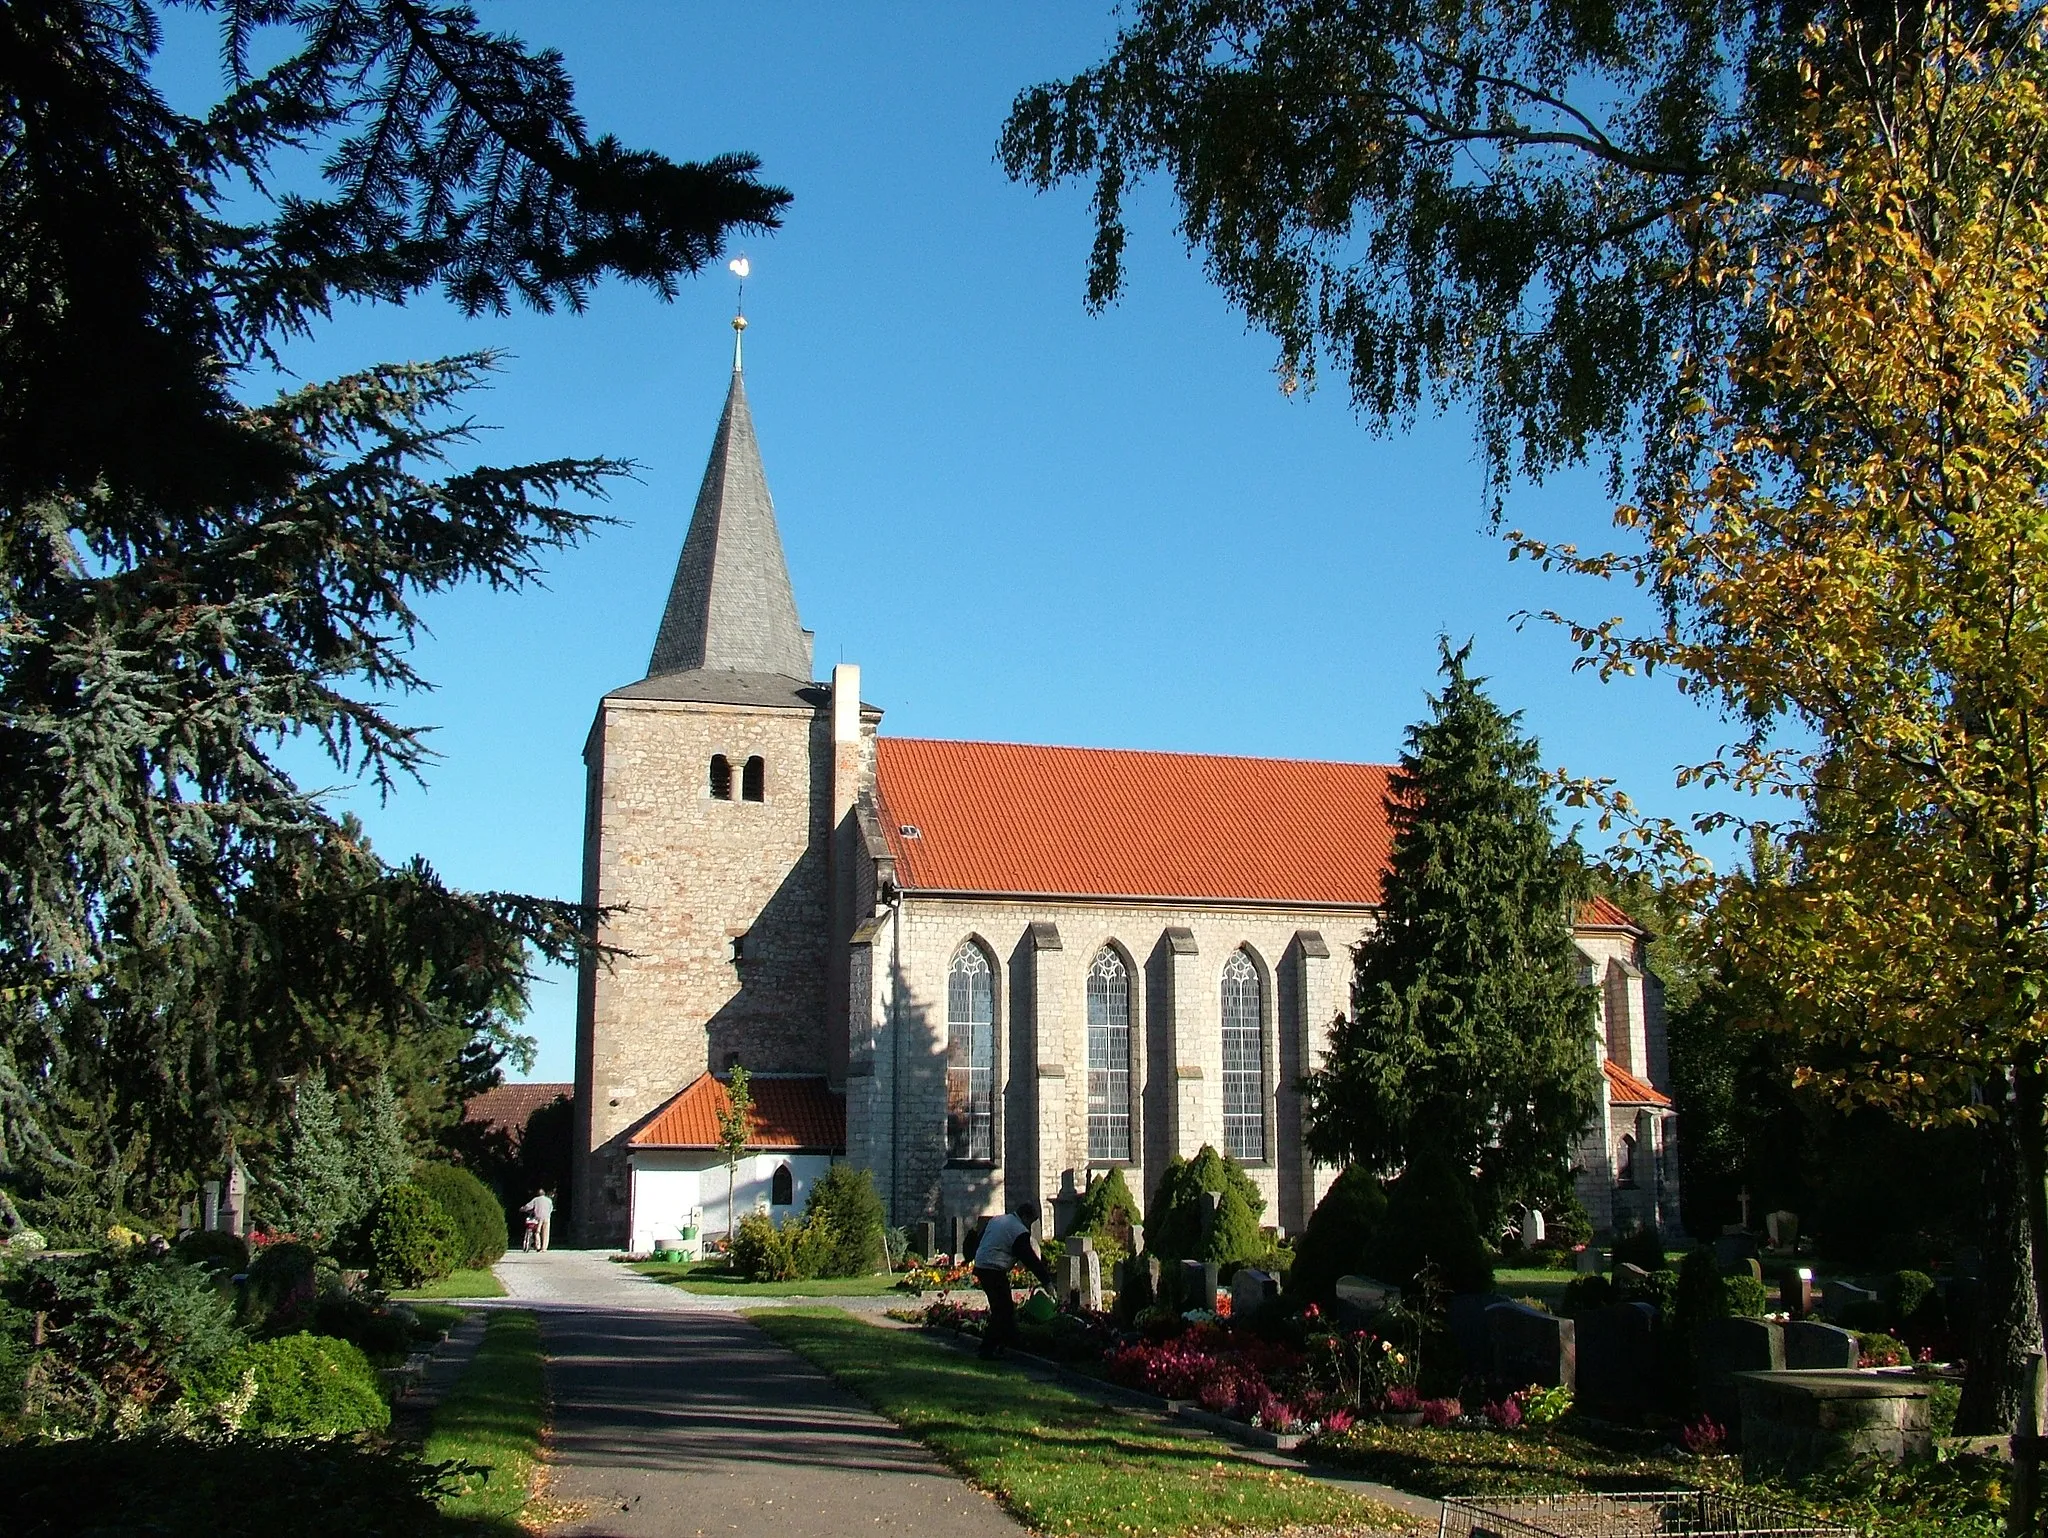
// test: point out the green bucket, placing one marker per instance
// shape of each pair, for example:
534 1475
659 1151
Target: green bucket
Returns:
1039 1308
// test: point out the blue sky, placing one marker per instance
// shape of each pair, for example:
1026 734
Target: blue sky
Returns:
1023 522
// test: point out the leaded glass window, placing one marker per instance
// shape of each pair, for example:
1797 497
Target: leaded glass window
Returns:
1109 1057
970 1057
1244 1061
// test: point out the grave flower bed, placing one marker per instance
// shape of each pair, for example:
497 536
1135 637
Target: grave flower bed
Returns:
1440 1461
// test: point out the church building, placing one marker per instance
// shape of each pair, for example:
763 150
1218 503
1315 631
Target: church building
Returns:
983 971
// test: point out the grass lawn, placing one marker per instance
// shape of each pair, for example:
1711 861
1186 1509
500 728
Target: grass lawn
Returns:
458 1284
711 1276
438 1318
1062 1463
492 1418
1531 1282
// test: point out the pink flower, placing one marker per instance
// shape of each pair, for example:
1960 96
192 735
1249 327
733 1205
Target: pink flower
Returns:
1507 1414
1338 1421
1703 1436
1440 1412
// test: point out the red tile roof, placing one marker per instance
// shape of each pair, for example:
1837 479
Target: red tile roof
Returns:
1624 1088
1095 822
507 1106
788 1113
1599 913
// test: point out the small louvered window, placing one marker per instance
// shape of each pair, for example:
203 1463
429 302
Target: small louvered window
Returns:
754 780
721 777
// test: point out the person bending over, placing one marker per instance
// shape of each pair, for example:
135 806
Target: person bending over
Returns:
1006 1242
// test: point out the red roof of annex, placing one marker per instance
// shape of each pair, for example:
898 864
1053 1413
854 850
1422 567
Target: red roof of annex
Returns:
788 1113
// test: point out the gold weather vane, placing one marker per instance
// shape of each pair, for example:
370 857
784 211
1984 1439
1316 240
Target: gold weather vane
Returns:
739 267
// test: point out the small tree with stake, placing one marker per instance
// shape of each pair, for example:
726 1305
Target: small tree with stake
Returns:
735 1126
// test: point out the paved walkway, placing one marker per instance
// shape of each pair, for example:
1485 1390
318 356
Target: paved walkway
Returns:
586 1278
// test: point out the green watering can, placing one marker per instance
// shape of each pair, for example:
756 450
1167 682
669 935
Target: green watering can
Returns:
1039 1308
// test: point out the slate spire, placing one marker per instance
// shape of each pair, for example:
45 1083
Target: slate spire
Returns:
731 607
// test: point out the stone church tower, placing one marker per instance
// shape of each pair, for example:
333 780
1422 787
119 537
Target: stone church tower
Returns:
715 786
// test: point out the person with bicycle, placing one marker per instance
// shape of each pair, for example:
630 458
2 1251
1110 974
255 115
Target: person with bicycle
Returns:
540 1214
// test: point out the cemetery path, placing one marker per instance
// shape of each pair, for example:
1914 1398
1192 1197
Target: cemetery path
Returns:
690 1423
586 1278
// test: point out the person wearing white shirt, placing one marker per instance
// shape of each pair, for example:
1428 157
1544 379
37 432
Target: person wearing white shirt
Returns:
1006 1242
540 1213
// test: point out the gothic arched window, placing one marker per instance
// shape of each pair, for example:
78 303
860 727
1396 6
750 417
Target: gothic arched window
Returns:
782 1187
754 780
1244 1061
721 777
1109 1057
970 1056
1626 1175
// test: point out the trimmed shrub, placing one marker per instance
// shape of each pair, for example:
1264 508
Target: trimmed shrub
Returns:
213 1249
412 1238
382 1335
1637 1245
848 1213
1338 1233
1659 1290
280 1294
306 1386
478 1214
1430 1221
1173 1228
1107 1214
1905 1293
1584 1294
796 1251
1746 1297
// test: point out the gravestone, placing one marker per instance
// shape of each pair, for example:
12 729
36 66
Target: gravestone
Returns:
1198 1284
1731 1346
1365 1294
924 1238
1733 1252
1587 1261
234 1207
1798 1290
1782 1228
209 1205
1617 1358
1532 1228
1840 1297
1526 1345
1066 1203
1081 1284
956 1239
1251 1290
1465 1319
1796 1422
1630 1277
1811 1345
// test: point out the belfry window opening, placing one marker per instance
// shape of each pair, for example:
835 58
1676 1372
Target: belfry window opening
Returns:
721 777
754 780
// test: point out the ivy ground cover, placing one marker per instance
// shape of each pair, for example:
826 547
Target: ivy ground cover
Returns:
1061 1463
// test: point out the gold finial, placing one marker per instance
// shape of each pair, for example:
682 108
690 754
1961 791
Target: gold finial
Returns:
739 267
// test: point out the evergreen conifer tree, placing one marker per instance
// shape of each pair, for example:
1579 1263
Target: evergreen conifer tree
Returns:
316 1188
1470 1037
379 1151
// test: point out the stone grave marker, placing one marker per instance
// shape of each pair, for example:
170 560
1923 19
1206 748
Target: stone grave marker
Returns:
1809 1344
1732 1252
924 1239
1532 1227
1631 1276
1251 1290
1782 1228
956 1239
1731 1346
1587 1261
1794 1422
209 1205
1530 1346
1798 1290
1617 1358
1839 1297
1198 1284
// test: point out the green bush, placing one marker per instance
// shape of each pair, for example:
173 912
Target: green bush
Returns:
1659 1289
1905 1293
305 1386
119 1331
1584 1294
1106 1214
279 1296
848 1214
217 1251
1567 1225
1173 1228
412 1238
382 1335
1339 1230
1430 1221
1700 1295
478 1214
1637 1245
795 1251
1747 1298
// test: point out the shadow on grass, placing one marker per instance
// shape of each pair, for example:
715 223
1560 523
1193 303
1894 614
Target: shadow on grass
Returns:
490 1423
246 1489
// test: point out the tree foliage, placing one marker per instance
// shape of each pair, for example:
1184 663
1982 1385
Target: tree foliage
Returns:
191 575
1470 1036
735 1132
1175 1226
1489 203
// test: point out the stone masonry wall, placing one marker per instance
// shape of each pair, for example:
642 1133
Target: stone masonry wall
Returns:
693 875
